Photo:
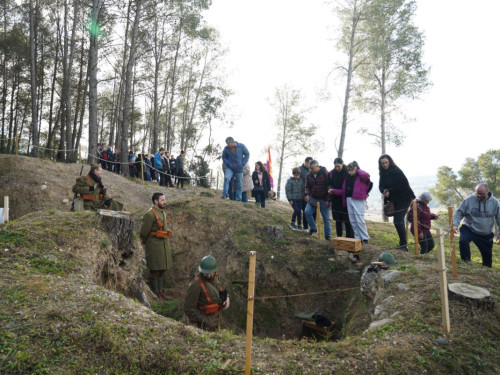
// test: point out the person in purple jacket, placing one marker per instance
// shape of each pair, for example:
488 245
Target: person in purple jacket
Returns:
354 193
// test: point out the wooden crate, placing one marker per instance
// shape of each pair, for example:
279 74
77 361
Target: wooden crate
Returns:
351 245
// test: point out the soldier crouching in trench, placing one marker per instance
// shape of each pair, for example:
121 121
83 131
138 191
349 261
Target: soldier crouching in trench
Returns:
155 236
205 297
93 192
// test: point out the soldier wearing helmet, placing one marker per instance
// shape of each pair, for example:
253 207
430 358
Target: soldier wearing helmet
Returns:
205 297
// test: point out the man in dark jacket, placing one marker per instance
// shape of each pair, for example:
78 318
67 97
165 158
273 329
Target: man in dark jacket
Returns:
179 163
235 155
317 192
304 171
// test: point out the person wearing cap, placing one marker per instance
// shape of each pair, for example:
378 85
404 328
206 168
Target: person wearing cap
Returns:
205 297
235 155
93 192
155 236
424 217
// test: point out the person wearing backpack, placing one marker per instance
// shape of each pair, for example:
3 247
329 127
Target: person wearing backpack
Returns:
354 193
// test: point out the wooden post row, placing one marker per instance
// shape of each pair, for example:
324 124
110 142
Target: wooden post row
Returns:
250 306
415 225
443 283
452 243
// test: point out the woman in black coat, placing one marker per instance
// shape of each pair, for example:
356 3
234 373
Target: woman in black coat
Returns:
395 188
261 184
336 179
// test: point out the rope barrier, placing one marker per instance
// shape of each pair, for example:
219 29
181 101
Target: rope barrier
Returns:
196 178
54 149
305 294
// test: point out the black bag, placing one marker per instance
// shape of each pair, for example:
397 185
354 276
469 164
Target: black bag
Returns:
389 209
258 189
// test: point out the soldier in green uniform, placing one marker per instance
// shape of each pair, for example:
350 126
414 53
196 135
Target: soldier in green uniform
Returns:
205 297
93 192
155 236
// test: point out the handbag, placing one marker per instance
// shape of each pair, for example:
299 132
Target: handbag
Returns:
389 209
258 189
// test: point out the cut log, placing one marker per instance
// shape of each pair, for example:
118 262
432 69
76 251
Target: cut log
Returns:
120 228
472 295
120 268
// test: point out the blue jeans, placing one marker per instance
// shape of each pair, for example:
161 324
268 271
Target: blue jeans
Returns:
238 183
484 244
260 197
297 213
325 212
244 197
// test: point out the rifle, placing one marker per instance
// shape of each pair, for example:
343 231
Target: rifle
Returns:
75 195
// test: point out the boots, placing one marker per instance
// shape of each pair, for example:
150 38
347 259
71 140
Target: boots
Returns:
154 285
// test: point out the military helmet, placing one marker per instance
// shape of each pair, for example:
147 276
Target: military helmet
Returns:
208 265
387 258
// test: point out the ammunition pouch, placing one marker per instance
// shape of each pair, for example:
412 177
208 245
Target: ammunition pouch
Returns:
160 234
210 309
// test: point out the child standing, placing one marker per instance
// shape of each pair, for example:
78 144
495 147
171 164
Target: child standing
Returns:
295 191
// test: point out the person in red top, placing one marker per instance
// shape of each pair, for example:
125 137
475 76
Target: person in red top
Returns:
424 217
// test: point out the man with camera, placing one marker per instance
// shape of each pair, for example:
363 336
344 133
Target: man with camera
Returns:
155 236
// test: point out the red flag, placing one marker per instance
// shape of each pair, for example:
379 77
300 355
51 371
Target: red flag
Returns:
269 166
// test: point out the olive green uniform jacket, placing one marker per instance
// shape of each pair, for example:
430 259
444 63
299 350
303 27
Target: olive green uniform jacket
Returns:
82 187
158 254
196 297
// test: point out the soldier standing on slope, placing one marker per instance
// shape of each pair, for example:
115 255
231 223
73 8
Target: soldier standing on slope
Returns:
155 236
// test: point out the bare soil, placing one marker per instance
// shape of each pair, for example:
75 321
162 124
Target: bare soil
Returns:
58 316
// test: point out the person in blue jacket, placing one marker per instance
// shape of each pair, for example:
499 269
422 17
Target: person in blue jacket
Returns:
235 155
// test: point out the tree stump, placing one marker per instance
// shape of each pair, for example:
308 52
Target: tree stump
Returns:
120 268
120 228
274 232
472 295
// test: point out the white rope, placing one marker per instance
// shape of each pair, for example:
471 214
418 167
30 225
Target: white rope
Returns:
196 178
53 149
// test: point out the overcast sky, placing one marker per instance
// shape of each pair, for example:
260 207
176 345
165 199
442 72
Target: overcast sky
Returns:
274 42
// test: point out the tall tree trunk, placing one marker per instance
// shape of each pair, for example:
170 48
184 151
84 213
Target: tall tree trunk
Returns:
128 86
119 103
80 87
93 59
111 141
34 107
50 135
15 86
174 80
4 82
355 18
68 71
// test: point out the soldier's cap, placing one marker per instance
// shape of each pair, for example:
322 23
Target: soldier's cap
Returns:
95 165
162 149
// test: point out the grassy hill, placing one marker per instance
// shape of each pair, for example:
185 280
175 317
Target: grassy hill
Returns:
67 307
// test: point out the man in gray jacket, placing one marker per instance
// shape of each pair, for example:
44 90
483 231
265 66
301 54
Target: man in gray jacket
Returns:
478 212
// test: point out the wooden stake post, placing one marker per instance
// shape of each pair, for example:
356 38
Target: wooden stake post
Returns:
217 188
415 225
318 218
452 242
17 145
210 183
6 209
251 300
443 283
